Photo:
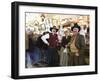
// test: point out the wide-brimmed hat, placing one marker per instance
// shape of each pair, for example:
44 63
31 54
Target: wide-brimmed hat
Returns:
76 26
54 27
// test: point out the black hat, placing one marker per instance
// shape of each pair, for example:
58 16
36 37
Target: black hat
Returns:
54 27
76 26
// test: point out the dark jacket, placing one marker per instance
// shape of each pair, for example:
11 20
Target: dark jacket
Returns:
65 40
80 43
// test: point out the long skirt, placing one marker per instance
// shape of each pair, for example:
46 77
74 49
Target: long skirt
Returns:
63 57
52 57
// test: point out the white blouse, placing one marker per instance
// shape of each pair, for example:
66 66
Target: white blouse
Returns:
44 37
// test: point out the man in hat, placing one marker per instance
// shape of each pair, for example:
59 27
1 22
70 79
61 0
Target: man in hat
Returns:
76 47
51 39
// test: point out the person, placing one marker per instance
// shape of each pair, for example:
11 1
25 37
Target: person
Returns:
63 51
29 47
87 42
83 30
42 48
51 39
33 51
28 62
76 47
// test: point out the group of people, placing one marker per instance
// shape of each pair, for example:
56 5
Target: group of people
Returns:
47 50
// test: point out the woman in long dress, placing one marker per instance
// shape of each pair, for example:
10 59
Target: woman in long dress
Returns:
63 51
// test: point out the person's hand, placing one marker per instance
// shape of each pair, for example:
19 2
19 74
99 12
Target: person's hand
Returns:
48 44
66 46
77 54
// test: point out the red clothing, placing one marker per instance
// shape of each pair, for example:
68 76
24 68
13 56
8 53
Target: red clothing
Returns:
53 40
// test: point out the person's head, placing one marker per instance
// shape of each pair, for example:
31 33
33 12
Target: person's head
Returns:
66 32
76 28
54 29
42 17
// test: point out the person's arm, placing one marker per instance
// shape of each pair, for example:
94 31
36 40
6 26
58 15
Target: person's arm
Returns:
44 37
82 42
